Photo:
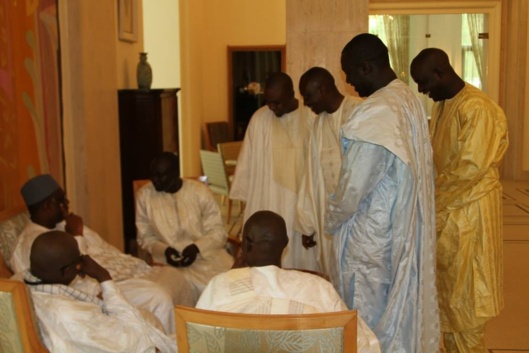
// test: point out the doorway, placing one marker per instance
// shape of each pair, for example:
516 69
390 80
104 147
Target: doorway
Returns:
248 69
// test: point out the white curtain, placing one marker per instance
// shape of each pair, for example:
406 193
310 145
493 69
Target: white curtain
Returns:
476 26
397 30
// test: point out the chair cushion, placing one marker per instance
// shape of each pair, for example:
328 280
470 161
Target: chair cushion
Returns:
10 229
10 340
204 338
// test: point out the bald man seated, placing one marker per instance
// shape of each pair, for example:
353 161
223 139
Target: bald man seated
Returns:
73 321
269 289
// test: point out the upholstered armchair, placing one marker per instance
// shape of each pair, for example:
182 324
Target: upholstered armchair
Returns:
18 330
214 331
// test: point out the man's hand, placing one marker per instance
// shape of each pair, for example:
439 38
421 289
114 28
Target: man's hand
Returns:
92 269
74 224
189 254
172 256
308 241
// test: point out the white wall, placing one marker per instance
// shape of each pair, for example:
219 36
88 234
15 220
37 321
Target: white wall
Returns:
128 54
161 30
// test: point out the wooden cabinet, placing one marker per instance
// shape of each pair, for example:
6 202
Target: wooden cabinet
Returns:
148 125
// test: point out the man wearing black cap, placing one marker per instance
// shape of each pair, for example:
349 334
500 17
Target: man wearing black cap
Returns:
156 289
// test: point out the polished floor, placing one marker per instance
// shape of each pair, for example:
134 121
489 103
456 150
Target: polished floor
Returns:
509 332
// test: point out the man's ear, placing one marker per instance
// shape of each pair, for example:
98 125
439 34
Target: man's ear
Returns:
366 67
438 72
47 204
322 89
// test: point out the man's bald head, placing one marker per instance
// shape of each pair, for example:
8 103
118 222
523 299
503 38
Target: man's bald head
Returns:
365 62
264 238
431 58
279 94
165 172
280 80
366 47
319 91
51 255
434 75
316 75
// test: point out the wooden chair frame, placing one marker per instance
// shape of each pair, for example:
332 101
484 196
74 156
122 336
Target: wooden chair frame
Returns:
216 132
26 325
230 152
345 319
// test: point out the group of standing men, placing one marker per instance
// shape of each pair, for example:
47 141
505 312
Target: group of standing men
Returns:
357 185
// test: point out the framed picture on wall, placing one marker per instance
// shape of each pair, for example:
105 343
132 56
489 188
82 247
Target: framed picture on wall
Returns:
128 20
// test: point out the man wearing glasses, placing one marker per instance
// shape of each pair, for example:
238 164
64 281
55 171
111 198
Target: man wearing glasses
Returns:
71 320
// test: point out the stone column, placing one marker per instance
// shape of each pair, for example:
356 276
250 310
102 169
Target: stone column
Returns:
89 67
317 32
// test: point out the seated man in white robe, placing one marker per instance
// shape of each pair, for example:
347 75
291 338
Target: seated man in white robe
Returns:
180 224
73 321
156 289
265 288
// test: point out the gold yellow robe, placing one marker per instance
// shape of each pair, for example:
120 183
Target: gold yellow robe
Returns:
469 139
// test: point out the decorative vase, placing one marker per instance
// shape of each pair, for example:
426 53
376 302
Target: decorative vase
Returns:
144 73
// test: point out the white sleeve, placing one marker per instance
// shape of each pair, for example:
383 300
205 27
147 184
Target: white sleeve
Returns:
214 234
239 186
20 257
364 165
119 327
305 220
146 236
207 298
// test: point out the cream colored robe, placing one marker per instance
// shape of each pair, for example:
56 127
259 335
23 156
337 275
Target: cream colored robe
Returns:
156 289
189 216
269 170
469 138
322 171
69 324
272 290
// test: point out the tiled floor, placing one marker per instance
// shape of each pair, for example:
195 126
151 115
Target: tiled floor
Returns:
509 332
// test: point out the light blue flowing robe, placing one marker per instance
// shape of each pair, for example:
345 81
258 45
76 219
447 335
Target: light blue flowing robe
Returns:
382 220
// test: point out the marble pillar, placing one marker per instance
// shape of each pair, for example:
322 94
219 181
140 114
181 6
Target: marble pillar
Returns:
317 32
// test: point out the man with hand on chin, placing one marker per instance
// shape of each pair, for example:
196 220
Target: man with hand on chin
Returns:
156 289
71 320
